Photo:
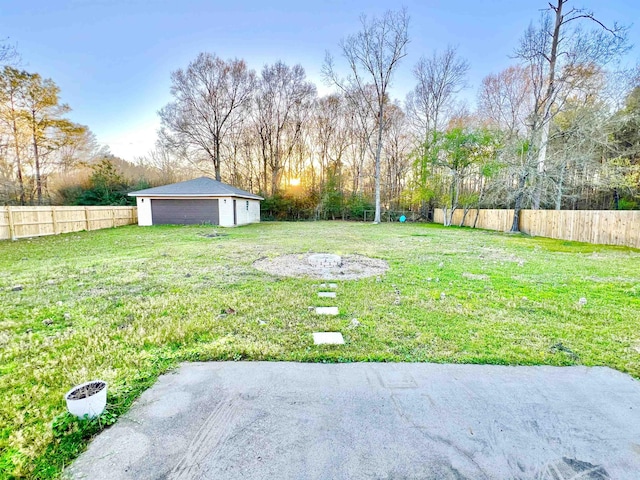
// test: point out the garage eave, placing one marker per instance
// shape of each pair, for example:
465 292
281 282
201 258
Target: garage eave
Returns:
203 187
194 195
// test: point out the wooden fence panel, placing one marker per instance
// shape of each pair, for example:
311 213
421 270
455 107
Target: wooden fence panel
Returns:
21 222
5 230
490 219
31 221
610 227
100 218
70 219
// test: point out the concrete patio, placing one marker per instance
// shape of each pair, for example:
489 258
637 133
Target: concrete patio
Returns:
261 420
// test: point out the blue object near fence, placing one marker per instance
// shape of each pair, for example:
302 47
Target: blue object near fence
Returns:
403 219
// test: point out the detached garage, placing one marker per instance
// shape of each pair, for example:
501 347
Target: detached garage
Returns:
202 200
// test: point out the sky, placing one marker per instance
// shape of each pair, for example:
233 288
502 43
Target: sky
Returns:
112 59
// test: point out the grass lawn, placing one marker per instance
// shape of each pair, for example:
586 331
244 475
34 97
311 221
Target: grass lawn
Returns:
126 304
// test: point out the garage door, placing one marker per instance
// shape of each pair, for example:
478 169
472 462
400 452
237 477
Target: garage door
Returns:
184 212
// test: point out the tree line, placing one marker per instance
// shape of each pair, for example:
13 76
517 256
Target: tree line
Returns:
560 128
45 158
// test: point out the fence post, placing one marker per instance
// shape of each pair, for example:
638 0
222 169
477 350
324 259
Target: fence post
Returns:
12 228
86 217
54 220
113 217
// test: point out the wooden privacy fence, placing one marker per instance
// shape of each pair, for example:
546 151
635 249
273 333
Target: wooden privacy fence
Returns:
610 227
21 222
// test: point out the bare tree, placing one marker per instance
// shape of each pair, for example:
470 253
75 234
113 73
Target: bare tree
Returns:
79 146
373 54
505 103
167 167
8 54
283 106
208 99
397 153
555 53
330 133
432 103
504 100
362 130
575 142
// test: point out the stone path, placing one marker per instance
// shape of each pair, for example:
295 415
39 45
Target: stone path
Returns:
327 294
328 338
327 311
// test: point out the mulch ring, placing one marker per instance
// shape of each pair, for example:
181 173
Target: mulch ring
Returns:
297 265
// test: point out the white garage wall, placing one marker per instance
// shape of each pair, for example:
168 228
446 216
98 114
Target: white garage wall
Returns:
144 211
241 211
226 211
248 211
243 214
254 211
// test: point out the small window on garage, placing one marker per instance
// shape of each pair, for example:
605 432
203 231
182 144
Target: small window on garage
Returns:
247 205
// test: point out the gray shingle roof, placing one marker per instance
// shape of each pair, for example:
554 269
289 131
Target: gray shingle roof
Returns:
198 187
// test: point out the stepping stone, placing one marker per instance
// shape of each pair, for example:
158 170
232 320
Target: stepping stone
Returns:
327 311
328 338
328 285
327 294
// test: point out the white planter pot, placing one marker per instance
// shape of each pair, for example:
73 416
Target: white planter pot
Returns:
89 398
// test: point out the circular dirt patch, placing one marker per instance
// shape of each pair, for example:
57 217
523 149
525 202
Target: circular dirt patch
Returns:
347 267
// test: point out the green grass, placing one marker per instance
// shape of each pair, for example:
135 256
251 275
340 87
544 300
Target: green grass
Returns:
127 304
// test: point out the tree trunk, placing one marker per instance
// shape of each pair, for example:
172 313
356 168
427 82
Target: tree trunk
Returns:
376 219
464 215
559 189
36 157
451 212
454 197
515 226
548 102
216 161
480 198
537 192
18 161
264 166
275 177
